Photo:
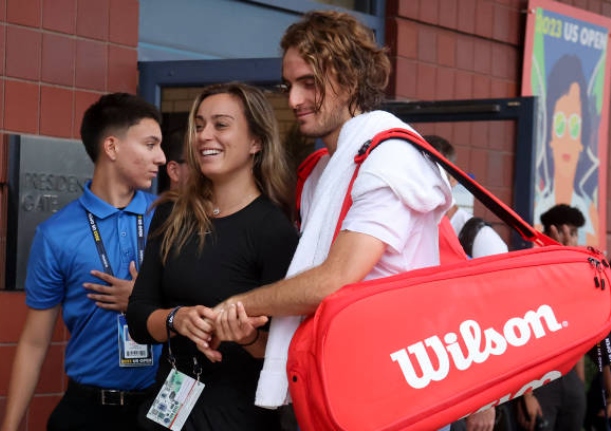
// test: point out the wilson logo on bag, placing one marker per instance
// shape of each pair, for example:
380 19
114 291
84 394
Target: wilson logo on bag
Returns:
474 347
418 350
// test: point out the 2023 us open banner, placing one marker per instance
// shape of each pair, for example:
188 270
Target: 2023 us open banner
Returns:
566 64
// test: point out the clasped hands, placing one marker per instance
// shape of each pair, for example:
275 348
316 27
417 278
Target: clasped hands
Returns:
208 327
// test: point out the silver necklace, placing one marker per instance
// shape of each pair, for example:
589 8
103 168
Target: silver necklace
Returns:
216 211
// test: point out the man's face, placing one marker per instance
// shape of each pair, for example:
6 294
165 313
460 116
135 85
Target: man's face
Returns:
326 122
139 154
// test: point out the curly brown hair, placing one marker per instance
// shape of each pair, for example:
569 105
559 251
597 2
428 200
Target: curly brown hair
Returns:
337 43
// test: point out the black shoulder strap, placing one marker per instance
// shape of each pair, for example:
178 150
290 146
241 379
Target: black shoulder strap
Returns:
469 231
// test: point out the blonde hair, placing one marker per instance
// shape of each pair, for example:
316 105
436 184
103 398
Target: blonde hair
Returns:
271 171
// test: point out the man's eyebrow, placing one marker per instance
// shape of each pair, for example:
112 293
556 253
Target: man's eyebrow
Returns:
301 78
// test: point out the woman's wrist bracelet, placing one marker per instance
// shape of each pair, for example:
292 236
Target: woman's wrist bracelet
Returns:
169 321
253 341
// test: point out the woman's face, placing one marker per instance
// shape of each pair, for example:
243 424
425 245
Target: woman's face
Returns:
566 132
223 144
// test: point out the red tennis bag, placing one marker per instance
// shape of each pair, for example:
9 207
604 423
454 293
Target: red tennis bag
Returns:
423 348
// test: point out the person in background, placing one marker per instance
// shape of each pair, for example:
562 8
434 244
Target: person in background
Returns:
176 170
227 232
82 261
561 404
482 242
335 77
482 239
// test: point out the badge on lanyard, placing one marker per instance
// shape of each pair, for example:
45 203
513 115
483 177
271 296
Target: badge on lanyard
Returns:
132 354
175 400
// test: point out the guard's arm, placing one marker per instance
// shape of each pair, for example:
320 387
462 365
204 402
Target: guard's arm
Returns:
29 357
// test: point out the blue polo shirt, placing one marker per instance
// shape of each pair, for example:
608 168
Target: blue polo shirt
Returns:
62 256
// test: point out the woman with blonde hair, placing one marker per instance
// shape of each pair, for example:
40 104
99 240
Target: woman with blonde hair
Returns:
227 232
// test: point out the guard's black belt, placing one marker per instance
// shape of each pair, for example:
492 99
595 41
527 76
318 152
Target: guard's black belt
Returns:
107 397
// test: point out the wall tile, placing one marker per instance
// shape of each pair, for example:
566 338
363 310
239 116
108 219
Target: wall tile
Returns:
427 44
481 87
595 6
516 18
581 4
466 16
2 168
12 316
82 101
58 53
23 12
498 88
484 18
2 47
464 53
40 410
59 15
501 19
463 83
480 136
23 53
427 78
122 69
405 78
448 13
429 11
91 64
7 354
478 164
444 130
497 134
462 133
92 19
446 49
407 39
56 105
444 88
408 9
124 17
21 103
482 56
500 63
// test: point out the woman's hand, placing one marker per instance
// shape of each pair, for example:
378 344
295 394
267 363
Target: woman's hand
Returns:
196 323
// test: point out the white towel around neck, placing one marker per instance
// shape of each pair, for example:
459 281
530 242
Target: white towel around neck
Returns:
318 227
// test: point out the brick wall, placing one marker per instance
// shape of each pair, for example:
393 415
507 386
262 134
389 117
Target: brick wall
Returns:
468 49
56 58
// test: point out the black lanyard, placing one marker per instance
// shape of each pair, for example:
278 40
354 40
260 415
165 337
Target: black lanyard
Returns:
97 237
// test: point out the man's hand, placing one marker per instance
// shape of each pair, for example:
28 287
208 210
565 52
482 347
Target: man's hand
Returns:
481 421
528 418
232 324
114 296
223 325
